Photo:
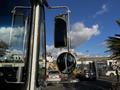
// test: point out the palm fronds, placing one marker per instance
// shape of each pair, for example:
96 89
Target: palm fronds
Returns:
113 45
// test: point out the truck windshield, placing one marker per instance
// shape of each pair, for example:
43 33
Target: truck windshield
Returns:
13 37
13 41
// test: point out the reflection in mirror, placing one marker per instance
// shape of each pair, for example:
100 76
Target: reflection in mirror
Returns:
66 63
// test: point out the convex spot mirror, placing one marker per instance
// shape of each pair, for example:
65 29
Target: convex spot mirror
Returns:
60 32
66 63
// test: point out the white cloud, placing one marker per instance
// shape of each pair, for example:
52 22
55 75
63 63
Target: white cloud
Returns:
56 52
16 35
103 10
80 34
104 44
5 34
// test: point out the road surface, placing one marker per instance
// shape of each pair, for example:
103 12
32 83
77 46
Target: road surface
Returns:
82 85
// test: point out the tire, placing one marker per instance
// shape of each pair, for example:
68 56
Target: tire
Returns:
112 75
94 78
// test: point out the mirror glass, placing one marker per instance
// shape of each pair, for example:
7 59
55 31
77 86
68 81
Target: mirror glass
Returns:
66 63
60 34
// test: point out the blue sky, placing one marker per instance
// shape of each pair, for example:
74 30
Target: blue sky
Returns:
91 12
85 14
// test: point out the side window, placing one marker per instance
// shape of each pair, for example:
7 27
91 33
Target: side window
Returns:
17 45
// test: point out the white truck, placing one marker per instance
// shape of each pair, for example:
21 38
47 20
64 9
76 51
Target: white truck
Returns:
111 73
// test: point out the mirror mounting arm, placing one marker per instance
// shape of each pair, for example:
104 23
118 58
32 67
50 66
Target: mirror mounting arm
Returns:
67 10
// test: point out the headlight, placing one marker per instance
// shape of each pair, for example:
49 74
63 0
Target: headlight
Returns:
5 58
92 73
1 74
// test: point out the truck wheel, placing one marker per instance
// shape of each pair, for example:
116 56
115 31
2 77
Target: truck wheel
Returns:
111 75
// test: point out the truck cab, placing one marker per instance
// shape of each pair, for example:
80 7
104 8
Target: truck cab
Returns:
24 68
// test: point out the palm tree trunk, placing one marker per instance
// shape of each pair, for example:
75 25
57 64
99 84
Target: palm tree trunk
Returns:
117 74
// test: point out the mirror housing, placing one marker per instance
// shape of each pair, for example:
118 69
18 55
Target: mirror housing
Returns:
66 63
60 33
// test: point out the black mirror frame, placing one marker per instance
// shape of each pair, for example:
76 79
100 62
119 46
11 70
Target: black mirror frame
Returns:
73 66
60 29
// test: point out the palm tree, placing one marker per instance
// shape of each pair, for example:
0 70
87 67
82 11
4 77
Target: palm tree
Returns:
113 44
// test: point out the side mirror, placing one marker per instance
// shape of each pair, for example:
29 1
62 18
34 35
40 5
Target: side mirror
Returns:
60 33
66 63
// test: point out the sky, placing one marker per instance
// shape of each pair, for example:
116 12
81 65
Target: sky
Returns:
91 22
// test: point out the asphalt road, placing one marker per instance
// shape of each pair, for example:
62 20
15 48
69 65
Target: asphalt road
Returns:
82 85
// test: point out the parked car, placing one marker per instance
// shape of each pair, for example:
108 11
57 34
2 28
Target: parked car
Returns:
89 74
53 77
111 73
